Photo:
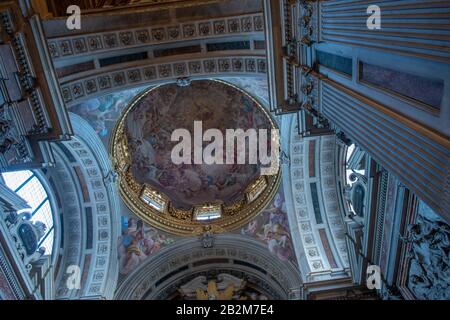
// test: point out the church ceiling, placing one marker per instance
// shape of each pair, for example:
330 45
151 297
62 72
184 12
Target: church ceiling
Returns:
142 238
271 227
188 196
103 112
148 127
118 119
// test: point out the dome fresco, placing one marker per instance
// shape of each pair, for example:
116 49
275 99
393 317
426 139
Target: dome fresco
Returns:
191 196
149 125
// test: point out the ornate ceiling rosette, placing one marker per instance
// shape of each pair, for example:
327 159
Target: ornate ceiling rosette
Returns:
194 197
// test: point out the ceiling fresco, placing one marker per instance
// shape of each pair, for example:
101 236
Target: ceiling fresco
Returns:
149 126
176 178
258 87
103 112
272 227
139 240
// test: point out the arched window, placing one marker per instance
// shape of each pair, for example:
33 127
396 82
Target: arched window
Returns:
356 188
352 166
28 186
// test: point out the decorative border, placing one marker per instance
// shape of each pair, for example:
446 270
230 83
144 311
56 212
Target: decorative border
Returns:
330 189
316 252
99 84
98 263
105 41
235 247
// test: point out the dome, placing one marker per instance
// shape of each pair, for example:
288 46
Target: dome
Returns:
194 191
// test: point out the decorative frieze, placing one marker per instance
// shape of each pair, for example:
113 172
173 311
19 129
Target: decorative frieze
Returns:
77 90
283 55
92 212
197 30
308 23
319 218
237 249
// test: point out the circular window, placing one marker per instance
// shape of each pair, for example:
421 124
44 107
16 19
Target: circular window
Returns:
28 186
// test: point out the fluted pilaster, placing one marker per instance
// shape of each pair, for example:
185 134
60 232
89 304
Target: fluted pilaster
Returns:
414 27
415 154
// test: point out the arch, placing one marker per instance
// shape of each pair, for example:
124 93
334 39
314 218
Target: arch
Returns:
230 252
74 92
315 210
84 182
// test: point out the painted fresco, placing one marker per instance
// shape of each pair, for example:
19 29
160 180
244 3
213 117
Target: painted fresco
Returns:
137 242
149 126
271 226
102 113
258 87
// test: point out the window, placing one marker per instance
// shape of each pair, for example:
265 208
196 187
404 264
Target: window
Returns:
335 62
355 165
349 171
207 212
28 186
224 46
